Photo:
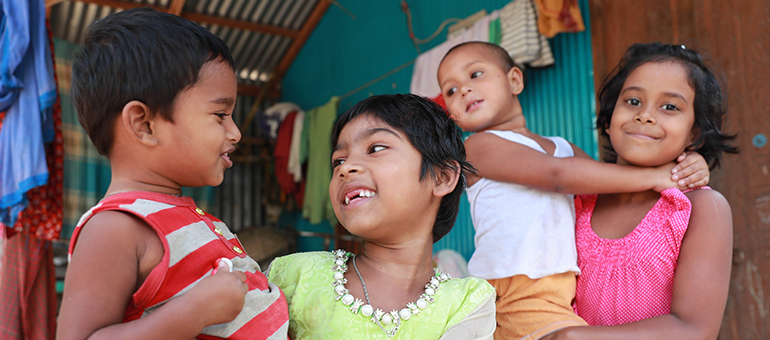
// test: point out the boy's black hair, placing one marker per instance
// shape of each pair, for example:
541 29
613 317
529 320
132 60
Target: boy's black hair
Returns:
431 131
137 54
710 102
504 59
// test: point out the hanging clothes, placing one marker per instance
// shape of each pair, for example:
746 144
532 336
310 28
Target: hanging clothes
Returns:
424 74
520 37
295 166
86 173
275 114
27 289
28 92
281 153
556 16
318 124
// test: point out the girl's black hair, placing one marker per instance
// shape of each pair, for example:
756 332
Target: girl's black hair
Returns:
432 132
710 102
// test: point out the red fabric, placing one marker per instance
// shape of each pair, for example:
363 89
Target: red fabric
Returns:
281 155
439 100
631 278
27 289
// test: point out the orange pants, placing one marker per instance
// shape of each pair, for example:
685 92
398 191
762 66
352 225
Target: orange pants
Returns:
530 309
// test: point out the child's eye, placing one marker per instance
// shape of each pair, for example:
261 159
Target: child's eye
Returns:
670 107
476 74
451 91
221 116
633 102
376 148
337 162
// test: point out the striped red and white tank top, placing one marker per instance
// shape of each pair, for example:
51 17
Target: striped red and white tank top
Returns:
193 240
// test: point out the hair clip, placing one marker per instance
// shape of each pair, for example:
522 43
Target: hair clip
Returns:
682 46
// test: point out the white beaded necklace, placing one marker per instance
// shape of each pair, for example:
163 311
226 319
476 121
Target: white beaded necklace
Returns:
379 317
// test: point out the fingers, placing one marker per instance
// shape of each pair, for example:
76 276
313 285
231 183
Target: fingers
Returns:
690 178
683 162
223 264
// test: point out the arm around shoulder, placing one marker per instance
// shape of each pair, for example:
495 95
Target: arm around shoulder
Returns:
505 161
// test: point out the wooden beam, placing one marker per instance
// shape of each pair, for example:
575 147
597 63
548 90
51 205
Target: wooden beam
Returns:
197 17
255 90
244 25
176 7
296 46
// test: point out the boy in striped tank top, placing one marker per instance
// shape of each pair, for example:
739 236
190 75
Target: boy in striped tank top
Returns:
155 93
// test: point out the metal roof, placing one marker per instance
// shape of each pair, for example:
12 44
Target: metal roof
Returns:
264 36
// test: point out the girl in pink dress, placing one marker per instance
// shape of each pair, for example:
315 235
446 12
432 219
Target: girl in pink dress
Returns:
656 265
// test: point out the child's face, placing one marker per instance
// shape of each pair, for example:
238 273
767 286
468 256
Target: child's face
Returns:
653 118
375 188
203 133
479 94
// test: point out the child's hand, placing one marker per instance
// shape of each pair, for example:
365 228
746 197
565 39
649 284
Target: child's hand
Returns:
220 297
691 172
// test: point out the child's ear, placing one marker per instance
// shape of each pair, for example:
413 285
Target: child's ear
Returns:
138 122
446 180
516 80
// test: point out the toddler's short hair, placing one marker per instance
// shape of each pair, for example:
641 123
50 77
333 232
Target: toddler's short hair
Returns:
137 54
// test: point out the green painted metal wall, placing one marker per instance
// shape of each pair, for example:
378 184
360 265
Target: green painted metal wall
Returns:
343 53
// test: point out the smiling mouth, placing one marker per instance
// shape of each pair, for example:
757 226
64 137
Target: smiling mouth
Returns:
228 161
352 196
473 105
642 136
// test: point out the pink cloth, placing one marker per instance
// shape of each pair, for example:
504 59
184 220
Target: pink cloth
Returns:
631 278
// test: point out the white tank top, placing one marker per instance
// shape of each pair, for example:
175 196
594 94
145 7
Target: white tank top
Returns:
521 230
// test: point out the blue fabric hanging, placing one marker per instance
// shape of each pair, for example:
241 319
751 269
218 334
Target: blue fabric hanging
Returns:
27 94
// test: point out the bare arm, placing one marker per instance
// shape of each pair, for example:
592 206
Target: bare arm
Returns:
701 281
111 252
501 160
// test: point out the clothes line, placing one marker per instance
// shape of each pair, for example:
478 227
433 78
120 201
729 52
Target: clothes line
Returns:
377 80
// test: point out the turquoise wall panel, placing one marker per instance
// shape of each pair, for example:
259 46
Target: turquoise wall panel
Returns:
344 53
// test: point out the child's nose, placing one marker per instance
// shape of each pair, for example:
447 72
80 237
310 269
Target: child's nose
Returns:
644 116
349 167
233 133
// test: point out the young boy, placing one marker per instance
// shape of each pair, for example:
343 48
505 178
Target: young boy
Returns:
155 93
523 216
399 167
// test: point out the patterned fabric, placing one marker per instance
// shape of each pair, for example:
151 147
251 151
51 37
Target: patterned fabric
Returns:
86 172
631 278
315 313
520 36
194 240
27 291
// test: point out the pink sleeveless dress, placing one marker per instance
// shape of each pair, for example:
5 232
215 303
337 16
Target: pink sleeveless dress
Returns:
631 278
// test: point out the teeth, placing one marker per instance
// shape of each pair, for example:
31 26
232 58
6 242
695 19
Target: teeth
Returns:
364 193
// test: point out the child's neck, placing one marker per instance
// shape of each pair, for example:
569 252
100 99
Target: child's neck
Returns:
517 124
123 184
393 276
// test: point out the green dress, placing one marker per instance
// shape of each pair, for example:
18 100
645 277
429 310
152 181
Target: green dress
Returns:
463 308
